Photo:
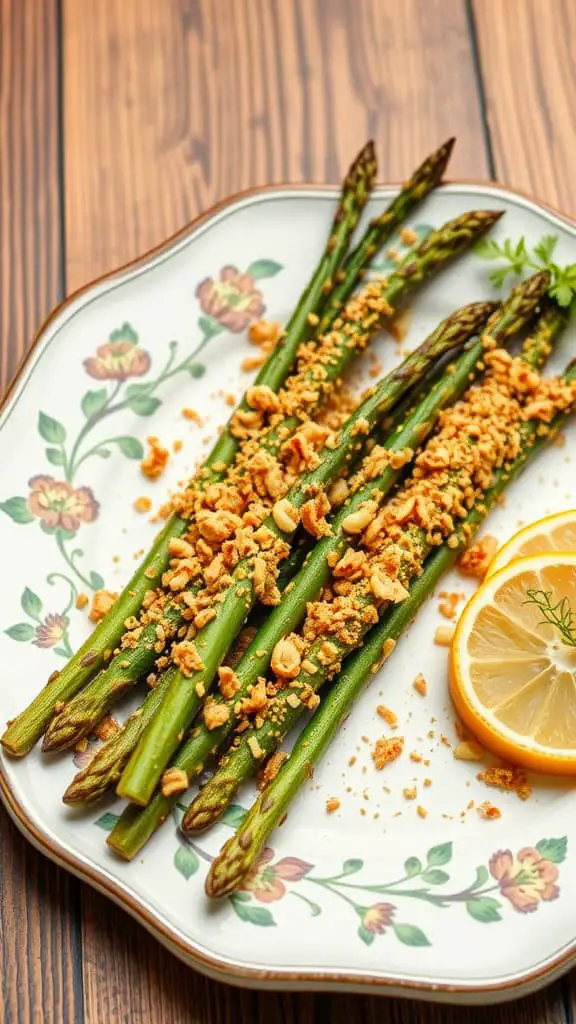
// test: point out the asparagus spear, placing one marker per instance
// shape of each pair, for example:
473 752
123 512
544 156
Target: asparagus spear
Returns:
138 824
241 851
164 733
219 791
423 180
109 762
76 719
26 729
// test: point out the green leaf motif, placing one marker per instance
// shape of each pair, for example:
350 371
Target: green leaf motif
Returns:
366 936
234 815
17 509
144 405
412 866
553 849
130 447
352 865
484 909
50 429
107 821
93 402
251 914
62 652
96 581
264 268
410 935
435 877
196 370
208 326
482 876
439 855
103 453
186 861
31 603
22 631
124 333
55 456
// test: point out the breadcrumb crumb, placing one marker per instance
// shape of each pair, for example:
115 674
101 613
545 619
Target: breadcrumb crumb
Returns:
408 236
389 717
420 685
192 415
142 504
387 750
488 812
154 463
82 600
332 805
101 604
468 750
106 728
421 811
475 561
512 780
443 636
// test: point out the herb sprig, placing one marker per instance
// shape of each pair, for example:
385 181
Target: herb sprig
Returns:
559 615
517 258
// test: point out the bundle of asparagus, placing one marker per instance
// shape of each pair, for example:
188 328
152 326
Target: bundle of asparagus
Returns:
333 274
326 523
305 675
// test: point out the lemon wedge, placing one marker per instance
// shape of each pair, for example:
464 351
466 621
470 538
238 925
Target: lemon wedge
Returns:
513 663
554 533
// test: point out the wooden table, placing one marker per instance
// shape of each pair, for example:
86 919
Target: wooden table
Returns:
121 120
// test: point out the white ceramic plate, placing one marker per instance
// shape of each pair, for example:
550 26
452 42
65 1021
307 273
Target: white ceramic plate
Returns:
372 897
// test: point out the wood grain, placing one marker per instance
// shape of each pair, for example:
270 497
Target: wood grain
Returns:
30 273
528 59
170 107
39 904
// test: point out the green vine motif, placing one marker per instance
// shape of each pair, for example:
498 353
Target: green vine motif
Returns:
523 881
62 505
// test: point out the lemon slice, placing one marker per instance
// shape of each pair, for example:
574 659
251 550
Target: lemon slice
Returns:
512 674
554 533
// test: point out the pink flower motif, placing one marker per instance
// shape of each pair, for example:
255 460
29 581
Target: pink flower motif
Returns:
232 300
376 918
118 360
525 879
266 881
51 631
57 503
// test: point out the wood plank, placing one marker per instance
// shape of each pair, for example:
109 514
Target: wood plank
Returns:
528 67
170 107
39 904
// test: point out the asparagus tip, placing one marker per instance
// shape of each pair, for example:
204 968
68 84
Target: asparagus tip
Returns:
445 152
226 871
56 738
